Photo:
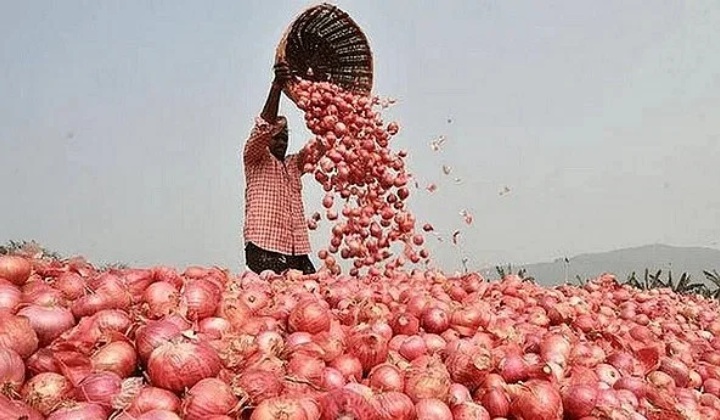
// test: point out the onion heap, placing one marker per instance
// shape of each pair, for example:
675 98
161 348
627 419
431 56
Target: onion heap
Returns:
380 342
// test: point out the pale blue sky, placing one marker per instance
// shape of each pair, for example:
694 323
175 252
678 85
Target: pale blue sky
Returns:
121 122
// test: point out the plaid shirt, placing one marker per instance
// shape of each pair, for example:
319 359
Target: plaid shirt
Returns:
274 213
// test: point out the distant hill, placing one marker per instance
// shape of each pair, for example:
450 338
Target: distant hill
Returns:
623 262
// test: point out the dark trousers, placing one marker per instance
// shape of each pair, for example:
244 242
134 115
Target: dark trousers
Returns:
259 260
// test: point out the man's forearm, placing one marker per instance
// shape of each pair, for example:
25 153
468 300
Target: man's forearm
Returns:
270 111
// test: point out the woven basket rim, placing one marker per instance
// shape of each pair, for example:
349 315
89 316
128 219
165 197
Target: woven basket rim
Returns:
280 51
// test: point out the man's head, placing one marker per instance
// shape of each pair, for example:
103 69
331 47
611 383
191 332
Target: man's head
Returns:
279 140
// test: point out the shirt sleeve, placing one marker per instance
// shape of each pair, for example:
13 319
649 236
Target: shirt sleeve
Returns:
256 147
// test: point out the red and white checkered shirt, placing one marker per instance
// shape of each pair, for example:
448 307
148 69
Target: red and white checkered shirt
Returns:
274 212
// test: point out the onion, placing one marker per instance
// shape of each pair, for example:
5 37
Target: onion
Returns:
676 369
214 327
470 411
257 385
118 357
513 368
152 398
386 378
79 411
10 296
17 334
427 379
434 342
12 371
15 269
535 400
497 402
343 403
71 285
432 409
162 298
579 400
202 298
405 324
413 347
458 394
179 365
394 406
333 379
14 409
207 397
469 365
100 388
49 322
309 316
285 408
153 335
369 347
270 342
712 386
154 415
46 391
435 320
349 366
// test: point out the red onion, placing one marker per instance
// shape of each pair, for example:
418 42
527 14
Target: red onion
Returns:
179 365
49 322
394 406
257 385
153 335
413 347
118 357
71 285
386 378
15 269
10 296
333 379
607 373
579 400
555 348
349 366
162 298
470 411
427 379
256 300
497 402
676 369
513 368
469 365
152 398
434 342
153 415
285 408
535 400
712 386
202 298
343 403
100 388
79 411
14 409
310 316
369 347
16 333
458 394
435 320
214 327
270 342
46 391
12 371
405 324
432 409
207 397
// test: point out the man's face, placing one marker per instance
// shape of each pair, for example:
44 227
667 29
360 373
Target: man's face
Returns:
279 143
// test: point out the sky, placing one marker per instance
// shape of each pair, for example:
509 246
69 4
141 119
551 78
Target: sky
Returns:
122 123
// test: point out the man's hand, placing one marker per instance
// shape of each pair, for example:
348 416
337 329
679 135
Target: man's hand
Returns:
282 75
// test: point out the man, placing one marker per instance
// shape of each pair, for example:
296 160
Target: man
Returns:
275 231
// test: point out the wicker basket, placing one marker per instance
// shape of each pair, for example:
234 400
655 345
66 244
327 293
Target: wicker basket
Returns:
324 44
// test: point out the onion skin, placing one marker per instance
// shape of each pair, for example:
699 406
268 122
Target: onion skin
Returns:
394 405
10 296
279 408
176 366
469 410
118 357
309 316
535 400
257 385
579 400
